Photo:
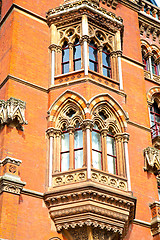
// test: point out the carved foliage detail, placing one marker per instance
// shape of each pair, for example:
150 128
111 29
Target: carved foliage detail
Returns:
152 159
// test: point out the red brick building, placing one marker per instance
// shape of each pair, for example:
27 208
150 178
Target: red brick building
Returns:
79 119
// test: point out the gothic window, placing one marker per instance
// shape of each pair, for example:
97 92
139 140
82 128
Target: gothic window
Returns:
77 55
65 58
144 60
96 148
155 119
111 153
93 56
106 62
78 146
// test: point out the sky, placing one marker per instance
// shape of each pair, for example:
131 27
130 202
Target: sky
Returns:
158 2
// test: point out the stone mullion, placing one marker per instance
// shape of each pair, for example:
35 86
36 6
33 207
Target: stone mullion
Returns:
104 150
71 148
71 67
120 155
113 66
58 152
100 63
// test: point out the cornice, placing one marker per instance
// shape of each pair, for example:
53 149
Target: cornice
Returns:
32 193
142 223
133 61
15 6
132 5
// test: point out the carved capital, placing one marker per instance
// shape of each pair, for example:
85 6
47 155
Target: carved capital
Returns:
85 38
119 53
54 47
87 124
51 132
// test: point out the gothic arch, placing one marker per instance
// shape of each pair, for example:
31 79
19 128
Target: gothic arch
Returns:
146 45
113 106
152 95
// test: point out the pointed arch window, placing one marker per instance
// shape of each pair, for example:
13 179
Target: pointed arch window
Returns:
111 153
93 56
65 156
65 58
106 62
76 55
145 61
78 147
96 148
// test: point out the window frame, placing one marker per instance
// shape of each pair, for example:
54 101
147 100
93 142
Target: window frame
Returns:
66 62
92 61
104 66
76 59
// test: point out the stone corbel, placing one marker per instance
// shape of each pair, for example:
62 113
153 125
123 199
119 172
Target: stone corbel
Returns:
155 222
15 113
2 112
152 160
10 181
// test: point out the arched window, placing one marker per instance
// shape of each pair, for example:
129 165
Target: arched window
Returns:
111 153
96 148
65 58
93 56
106 62
64 149
76 55
78 146
154 66
155 119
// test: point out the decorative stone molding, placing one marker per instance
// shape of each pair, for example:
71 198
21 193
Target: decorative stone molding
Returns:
156 78
155 222
90 204
12 113
10 181
152 159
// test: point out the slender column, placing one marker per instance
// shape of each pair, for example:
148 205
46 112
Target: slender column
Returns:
50 133
52 66
58 150
88 125
85 38
119 54
100 67
120 155
52 47
104 149
113 65
125 141
70 56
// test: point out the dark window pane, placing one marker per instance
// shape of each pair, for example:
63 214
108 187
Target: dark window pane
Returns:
77 65
65 68
65 55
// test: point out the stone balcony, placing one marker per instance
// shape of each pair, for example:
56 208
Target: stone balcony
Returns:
78 204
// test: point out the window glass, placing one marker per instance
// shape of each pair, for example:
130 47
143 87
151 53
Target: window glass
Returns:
111 154
96 148
78 147
93 57
65 58
77 55
106 62
64 152
65 142
64 162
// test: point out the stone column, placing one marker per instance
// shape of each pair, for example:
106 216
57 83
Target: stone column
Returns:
50 133
125 142
120 155
88 124
114 65
52 47
119 54
150 65
10 191
100 63
85 39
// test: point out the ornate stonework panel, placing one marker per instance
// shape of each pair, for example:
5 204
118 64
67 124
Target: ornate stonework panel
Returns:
155 222
12 112
152 159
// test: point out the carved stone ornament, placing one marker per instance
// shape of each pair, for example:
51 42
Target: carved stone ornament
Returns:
152 159
12 112
155 222
90 204
72 11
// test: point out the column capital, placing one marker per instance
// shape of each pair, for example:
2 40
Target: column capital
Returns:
85 38
113 53
87 124
54 47
104 131
100 48
119 53
53 131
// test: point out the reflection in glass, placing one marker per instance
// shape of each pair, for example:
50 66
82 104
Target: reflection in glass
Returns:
111 154
78 147
65 58
77 55
96 148
93 56
65 151
106 62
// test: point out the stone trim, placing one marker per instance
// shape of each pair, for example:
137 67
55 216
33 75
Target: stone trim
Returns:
133 61
15 6
10 160
142 223
16 79
32 193
11 184
139 126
